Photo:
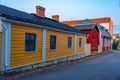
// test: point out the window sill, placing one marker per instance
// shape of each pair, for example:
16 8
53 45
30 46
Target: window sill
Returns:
53 49
29 52
69 48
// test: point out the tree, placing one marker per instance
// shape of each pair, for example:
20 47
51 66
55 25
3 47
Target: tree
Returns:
117 36
115 44
116 41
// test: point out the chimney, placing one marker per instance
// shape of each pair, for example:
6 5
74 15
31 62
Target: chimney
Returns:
55 17
40 11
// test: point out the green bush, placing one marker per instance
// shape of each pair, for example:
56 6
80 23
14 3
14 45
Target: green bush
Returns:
115 44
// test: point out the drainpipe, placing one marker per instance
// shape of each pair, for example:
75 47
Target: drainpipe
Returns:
100 42
74 44
5 55
85 52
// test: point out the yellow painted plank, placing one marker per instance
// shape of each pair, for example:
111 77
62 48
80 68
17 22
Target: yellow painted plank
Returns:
80 49
61 48
18 56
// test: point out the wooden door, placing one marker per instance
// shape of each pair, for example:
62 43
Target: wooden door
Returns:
94 40
94 46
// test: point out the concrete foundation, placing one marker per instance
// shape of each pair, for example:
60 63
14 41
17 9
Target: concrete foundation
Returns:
50 62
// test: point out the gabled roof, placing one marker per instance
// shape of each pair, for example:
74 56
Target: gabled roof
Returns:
13 14
85 27
89 25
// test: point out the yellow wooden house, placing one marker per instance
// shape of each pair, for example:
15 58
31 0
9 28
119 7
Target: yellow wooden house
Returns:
28 39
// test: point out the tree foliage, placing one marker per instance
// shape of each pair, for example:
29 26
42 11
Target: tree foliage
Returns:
116 42
117 36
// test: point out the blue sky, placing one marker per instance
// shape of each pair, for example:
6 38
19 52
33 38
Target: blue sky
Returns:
72 9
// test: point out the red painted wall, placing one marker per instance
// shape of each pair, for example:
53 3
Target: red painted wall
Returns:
93 38
106 44
89 32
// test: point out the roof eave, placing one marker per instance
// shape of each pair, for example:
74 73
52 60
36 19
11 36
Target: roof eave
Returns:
39 26
83 24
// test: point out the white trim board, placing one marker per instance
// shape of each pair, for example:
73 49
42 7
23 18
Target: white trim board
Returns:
6 40
44 45
75 43
0 26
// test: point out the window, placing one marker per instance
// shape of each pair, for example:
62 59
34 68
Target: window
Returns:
69 42
30 42
80 42
52 42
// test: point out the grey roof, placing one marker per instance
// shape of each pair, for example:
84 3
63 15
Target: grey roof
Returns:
85 27
13 14
104 31
86 21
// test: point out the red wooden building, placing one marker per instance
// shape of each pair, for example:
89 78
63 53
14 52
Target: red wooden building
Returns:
92 30
98 36
106 39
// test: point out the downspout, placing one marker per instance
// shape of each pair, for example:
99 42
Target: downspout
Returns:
5 55
85 37
101 43
74 44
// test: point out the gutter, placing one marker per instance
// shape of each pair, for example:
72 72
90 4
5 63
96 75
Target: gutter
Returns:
38 26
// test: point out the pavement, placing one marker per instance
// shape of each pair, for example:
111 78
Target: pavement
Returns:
103 67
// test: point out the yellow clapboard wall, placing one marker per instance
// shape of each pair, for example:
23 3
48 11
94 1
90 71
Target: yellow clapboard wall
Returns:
79 49
61 45
18 55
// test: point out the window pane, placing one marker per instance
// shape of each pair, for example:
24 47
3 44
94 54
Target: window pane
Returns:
33 39
69 42
52 42
80 42
30 42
